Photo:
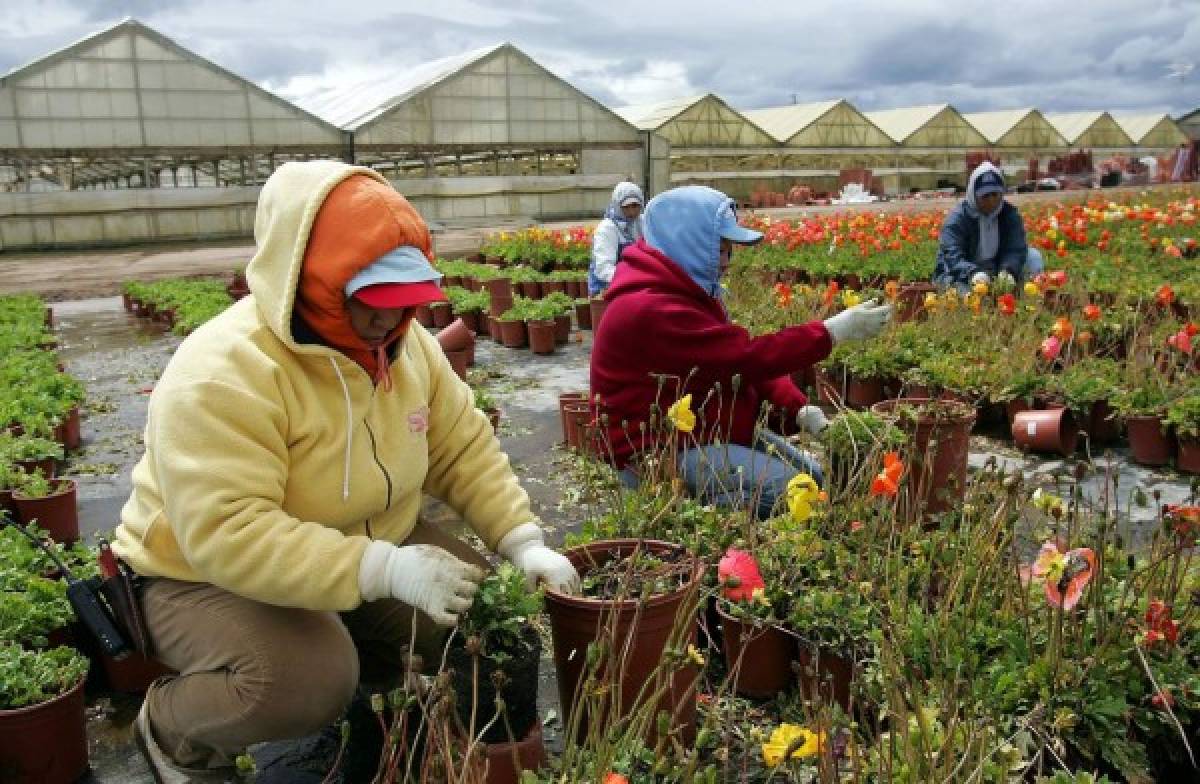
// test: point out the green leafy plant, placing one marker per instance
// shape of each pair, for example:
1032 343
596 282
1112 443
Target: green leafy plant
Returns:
30 677
503 609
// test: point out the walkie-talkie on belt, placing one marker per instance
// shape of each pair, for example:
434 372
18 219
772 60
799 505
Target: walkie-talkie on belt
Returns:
86 601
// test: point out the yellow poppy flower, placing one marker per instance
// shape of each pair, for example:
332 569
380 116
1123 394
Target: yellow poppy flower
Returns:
802 493
850 298
681 415
980 288
808 744
1032 289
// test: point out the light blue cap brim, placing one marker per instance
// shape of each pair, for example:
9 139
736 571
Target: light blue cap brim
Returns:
728 228
405 264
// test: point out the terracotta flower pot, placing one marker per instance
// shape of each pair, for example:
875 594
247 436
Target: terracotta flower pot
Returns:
456 336
831 388
763 656
45 743
562 329
530 754
473 682
134 673
57 513
69 430
1188 460
598 306
47 466
473 321
494 330
541 336
424 316
551 286
564 400
825 675
578 432
936 479
1014 407
637 631
583 315
910 302
1049 430
1101 425
531 289
1149 440
6 503
459 362
512 334
862 393
442 315
499 288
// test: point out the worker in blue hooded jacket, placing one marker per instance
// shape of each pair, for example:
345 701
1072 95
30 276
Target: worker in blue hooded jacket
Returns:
983 238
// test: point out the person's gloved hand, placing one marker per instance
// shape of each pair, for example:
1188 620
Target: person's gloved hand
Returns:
981 277
812 419
862 321
425 576
524 548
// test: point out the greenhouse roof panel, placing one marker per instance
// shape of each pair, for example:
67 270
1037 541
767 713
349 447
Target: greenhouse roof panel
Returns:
994 125
784 122
652 116
901 123
352 106
1072 125
1140 126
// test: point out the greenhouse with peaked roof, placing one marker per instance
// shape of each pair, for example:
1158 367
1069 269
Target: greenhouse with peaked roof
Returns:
931 140
485 135
1151 132
708 143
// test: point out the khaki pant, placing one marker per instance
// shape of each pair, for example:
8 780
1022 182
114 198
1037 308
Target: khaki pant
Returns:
252 672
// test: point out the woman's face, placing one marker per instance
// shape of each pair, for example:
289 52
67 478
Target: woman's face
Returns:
631 211
373 325
726 255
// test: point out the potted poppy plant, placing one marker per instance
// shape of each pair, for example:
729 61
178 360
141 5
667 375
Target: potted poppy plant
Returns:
1183 416
42 725
635 598
51 502
494 658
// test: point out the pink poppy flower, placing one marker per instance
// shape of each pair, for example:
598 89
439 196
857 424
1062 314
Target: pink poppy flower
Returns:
739 576
1064 574
1051 347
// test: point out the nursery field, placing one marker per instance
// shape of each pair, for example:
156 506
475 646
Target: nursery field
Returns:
997 582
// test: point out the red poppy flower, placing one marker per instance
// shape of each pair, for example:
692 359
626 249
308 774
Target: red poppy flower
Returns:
1007 304
887 481
1162 700
738 574
1091 313
1165 295
615 778
783 294
1181 341
1057 277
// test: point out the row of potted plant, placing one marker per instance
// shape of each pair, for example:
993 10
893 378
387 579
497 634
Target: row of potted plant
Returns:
181 304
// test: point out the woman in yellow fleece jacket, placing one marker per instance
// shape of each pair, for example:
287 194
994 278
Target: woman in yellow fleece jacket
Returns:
288 445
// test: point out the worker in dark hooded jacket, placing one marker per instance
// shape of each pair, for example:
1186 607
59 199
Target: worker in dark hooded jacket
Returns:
665 335
983 238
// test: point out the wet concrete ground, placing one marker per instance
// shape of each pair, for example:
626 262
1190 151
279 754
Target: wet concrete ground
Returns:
119 357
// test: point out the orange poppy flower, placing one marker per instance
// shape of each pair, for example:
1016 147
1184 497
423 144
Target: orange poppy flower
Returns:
783 294
1091 313
887 481
615 778
1165 295
1063 328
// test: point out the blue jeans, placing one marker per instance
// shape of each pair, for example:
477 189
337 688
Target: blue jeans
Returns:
732 476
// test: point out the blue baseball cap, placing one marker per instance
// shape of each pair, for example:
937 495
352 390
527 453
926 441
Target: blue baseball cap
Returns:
400 278
728 227
989 182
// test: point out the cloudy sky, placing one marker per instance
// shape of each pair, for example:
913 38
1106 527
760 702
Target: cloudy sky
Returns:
1060 55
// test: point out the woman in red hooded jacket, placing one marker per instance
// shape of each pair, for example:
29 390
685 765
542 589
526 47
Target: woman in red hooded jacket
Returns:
665 334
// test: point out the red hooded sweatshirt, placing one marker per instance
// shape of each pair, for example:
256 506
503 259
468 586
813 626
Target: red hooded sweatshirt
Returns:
660 323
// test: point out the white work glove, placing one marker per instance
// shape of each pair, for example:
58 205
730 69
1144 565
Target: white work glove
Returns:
859 322
524 548
812 419
425 576
981 277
